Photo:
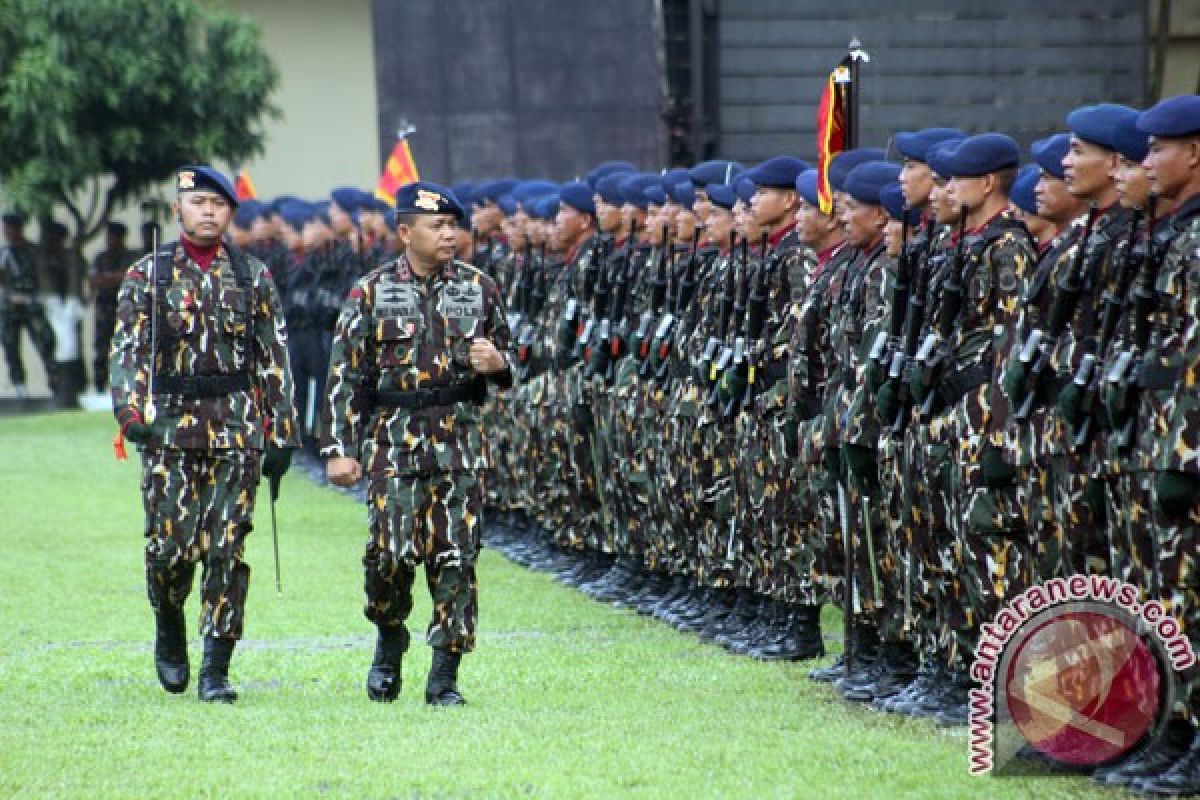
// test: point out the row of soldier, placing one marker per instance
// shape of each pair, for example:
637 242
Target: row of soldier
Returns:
956 379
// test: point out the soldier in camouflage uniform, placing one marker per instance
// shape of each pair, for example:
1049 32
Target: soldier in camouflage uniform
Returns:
108 270
20 308
200 381
416 345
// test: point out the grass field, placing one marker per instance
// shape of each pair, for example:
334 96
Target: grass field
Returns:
567 698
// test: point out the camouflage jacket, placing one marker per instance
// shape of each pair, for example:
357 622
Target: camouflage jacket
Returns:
1169 415
865 314
202 329
20 274
400 332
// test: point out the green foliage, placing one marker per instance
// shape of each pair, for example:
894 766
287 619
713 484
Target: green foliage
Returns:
107 97
568 698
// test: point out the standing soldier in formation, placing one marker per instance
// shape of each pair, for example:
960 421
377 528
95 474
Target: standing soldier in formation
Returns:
20 305
200 382
415 347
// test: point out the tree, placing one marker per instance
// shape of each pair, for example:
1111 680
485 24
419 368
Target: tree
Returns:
103 99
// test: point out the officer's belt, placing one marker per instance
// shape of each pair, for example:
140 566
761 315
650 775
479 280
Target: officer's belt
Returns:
417 399
203 385
1153 375
955 384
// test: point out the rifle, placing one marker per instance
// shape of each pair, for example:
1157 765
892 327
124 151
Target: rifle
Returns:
915 320
665 335
938 348
708 367
658 298
1125 372
887 341
755 321
615 343
534 295
1113 301
595 291
1038 349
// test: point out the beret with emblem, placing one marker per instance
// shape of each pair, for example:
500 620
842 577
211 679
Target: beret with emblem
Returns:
718 171
577 195
806 185
202 178
866 181
1050 152
777 173
915 144
1175 116
722 195
841 164
1024 189
982 154
425 197
1129 141
1095 124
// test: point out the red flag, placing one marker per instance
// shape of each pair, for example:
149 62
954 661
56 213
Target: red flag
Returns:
831 128
245 187
400 169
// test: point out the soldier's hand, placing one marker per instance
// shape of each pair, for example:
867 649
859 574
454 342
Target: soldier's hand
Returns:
485 358
276 461
917 387
887 403
343 471
133 427
1070 404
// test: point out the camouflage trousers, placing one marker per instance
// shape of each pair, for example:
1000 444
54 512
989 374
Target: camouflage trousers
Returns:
893 539
937 589
434 519
32 319
1035 485
829 545
717 542
199 506
629 499
1079 513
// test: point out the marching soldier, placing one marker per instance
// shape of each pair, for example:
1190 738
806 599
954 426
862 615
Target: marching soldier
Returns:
416 345
200 382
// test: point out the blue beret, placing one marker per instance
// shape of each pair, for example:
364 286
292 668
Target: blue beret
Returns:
655 195
866 181
936 156
745 188
203 178
17 218
632 186
720 194
546 207
321 209
1023 193
1050 152
916 144
719 171
349 198
577 195
891 197
609 189
674 176
779 172
389 218
377 204
806 185
1095 123
683 194
465 192
982 154
1129 141
607 168
841 164
276 205
508 204
492 190
296 213
1175 116
244 217
424 197
527 189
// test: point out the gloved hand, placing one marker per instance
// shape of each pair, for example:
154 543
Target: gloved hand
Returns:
1013 383
917 388
1176 492
996 471
275 464
133 427
1070 402
887 403
861 464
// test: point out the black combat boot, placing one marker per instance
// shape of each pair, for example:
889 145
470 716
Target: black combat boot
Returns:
383 679
213 686
170 649
803 636
1182 779
441 688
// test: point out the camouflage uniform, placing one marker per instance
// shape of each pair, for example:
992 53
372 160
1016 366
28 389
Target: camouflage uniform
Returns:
201 468
106 265
20 283
402 399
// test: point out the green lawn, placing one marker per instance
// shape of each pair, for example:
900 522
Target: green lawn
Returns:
568 698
